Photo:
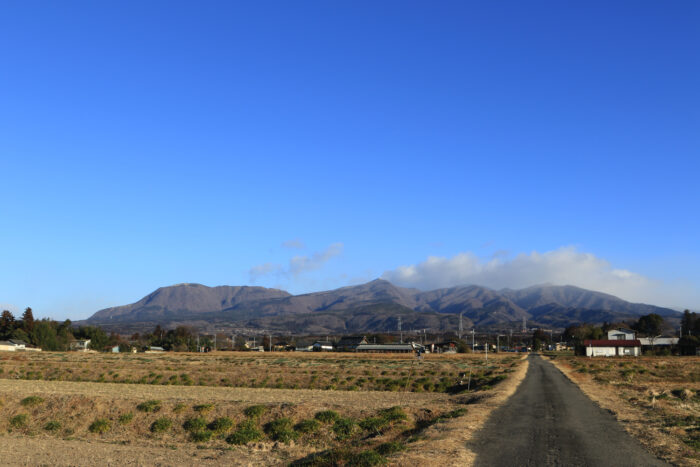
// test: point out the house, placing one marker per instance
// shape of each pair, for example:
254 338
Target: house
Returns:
283 347
350 343
19 345
442 347
114 349
7 346
322 346
81 345
155 349
613 347
621 334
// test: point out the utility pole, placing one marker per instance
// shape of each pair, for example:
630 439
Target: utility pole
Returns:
400 331
214 340
270 336
198 350
460 325
473 345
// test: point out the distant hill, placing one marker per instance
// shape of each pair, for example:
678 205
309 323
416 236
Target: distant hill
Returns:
372 307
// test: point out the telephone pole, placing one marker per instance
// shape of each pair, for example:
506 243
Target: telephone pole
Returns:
473 345
400 331
461 329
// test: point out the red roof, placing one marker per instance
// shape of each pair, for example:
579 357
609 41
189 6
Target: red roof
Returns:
612 343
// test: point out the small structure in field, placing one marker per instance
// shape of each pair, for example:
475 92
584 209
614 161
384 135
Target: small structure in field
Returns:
7 346
19 344
613 348
80 345
322 346
155 349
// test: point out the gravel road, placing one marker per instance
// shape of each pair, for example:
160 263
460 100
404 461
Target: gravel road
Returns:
550 422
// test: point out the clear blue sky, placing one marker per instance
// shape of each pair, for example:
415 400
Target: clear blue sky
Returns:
148 143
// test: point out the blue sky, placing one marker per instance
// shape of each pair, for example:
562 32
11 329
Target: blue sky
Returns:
311 145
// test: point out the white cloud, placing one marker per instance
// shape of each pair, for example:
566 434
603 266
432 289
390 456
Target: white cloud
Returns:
295 244
298 264
565 266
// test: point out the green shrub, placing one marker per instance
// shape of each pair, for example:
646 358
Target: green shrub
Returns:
281 430
31 401
393 414
307 426
100 425
161 425
366 459
390 448
344 428
246 432
194 425
52 426
179 408
19 421
327 416
373 423
221 425
203 408
126 418
255 411
201 436
149 406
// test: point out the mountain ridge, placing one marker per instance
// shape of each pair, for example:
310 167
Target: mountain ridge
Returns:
373 306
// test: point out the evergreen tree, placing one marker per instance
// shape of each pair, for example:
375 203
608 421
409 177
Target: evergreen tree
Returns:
7 323
28 320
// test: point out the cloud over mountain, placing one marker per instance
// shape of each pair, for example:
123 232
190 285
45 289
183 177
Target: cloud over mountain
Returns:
563 266
297 265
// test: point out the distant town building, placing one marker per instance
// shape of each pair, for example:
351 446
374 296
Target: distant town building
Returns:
621 334
81 345
613 348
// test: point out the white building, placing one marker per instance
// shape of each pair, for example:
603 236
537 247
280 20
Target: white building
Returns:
613 348
621 334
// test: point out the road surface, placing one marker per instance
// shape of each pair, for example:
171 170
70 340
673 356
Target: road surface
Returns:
550 422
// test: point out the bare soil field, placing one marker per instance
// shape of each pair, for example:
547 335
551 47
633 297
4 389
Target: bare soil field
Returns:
49 421
657 399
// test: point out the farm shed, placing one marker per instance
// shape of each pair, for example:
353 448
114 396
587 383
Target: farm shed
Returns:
613 348
7 346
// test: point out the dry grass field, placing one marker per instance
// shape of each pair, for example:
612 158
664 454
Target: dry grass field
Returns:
279 370
54 409
656 398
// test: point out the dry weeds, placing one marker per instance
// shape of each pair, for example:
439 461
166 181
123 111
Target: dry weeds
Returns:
69 408
657 399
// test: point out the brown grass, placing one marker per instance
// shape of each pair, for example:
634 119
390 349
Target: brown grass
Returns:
657 399
446 443
76 405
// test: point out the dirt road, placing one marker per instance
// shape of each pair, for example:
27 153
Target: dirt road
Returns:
550 422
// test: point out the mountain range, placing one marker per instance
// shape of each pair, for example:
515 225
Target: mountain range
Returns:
376 306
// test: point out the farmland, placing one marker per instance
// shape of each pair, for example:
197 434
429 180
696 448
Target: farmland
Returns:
329 371
656 398
240 408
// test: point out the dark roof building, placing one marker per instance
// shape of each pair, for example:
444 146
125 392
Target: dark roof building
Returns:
350 343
